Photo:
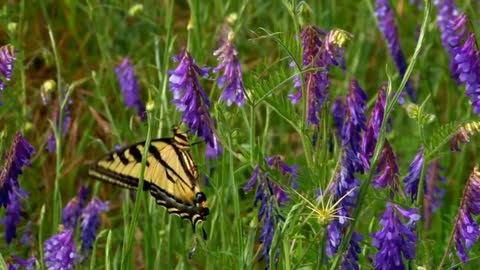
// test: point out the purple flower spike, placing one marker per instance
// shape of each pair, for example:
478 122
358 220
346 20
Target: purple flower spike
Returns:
413 177
387 171
386 23
345 190
7 57
73 209
60 251
355 121
370 136
10 191
467 60
277 162
350 258
319 55
232 72
90 223
270 197
19 262
467 230
395 240
192 100
130 89
338 114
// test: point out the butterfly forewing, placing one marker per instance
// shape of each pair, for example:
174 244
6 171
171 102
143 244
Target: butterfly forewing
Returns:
169 168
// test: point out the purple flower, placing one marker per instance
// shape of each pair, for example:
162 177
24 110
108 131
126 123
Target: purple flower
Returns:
192 100
452 29
60 250
12 215
232 72
355 121
130 89
7 57
67 119
270 197
316 55
10 191
344 189
338 114
433 193
386 23
395 240
370 136
19 262
467 60
276 162
90 223
27 237
386 173
413 177
73 209
467 231
350 258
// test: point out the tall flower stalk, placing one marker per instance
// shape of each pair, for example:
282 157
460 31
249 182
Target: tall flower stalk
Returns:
271 197
320 51
466 231
460 44
231 78
192 100
130 88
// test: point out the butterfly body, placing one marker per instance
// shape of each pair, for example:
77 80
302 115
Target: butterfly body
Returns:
170 175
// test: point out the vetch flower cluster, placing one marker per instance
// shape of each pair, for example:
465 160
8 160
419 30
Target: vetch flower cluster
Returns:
396 240
192 100
318 54
387 172
413 177
28 264
467 231
386 23
355 121
232 72
370 136
130 89
10 191
90 223
270 197
60 252
460 44
7 57
72 211
338 115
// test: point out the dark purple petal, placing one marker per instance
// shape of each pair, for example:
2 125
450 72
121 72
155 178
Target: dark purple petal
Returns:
433 193
350 258
67 119
72 211
370 136
338 114
413 177
395 241
191 99
232 73
19 262
387 173
90 223
130 89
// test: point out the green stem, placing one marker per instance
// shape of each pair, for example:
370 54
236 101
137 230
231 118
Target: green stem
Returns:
126 252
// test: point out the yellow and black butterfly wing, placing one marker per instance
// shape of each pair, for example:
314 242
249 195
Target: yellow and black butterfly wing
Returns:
168 167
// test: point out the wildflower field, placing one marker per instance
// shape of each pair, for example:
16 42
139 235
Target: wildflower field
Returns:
321 134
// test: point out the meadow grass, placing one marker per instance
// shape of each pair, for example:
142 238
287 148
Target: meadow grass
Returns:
79 43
